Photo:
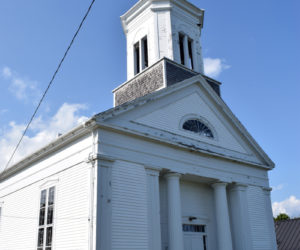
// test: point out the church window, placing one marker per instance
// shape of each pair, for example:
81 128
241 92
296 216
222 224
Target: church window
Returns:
181 47
190 48
193 228
141 58
186 51
137 57
198 127
145 52
46 219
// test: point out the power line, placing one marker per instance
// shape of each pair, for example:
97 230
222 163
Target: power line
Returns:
50 83
55 218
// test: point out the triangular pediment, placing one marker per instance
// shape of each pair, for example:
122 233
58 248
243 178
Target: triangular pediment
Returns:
163 113
171 118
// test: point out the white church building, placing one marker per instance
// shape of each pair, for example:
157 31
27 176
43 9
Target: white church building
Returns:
170 167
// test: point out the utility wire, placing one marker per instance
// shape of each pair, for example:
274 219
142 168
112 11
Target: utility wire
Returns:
50 83
55 218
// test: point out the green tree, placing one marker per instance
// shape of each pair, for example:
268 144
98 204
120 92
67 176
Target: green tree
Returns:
282 216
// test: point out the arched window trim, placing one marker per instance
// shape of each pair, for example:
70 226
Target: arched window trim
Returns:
202 120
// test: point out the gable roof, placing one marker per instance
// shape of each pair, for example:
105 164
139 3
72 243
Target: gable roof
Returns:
288 234
198 79
101 118
51 147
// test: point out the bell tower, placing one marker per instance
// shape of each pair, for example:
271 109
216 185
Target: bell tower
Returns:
156 29
163 47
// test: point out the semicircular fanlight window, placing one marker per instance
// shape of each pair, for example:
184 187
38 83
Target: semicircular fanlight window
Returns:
198 127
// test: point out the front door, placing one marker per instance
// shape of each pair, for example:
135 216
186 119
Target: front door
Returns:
194 237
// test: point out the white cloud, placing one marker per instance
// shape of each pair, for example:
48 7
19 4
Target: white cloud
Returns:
21 87
40 133
290 206
6 72
214 66
278 187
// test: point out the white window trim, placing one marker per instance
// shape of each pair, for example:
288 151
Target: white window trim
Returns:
136 72
46 186
142 51
201 119
142 65
1 213
49 183
200 222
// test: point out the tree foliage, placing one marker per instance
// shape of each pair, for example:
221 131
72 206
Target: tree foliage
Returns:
282 216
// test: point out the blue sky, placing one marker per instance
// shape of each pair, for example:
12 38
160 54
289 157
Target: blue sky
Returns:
252 47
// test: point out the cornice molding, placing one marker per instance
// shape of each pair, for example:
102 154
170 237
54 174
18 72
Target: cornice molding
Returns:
53 146
177 144
156 5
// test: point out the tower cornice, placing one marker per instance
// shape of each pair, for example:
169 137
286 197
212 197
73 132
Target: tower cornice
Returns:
157 5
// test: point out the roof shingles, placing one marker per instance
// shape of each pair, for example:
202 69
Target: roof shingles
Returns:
288 234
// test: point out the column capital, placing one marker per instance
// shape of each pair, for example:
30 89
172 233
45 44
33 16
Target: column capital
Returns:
171 175
238 187
267 190
219 184
152 171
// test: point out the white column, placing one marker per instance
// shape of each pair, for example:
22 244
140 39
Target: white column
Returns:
174 212
241 231
186 51
222 216
269 214
153 209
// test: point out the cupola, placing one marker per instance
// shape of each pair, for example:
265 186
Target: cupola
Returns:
163 47
156 29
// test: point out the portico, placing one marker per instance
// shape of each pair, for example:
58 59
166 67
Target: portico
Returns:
219 224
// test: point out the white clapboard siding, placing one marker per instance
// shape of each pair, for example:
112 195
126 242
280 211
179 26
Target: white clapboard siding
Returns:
19 220
260 228
170 118
129 207
72 210
75 152
19 224
196 199
20 197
